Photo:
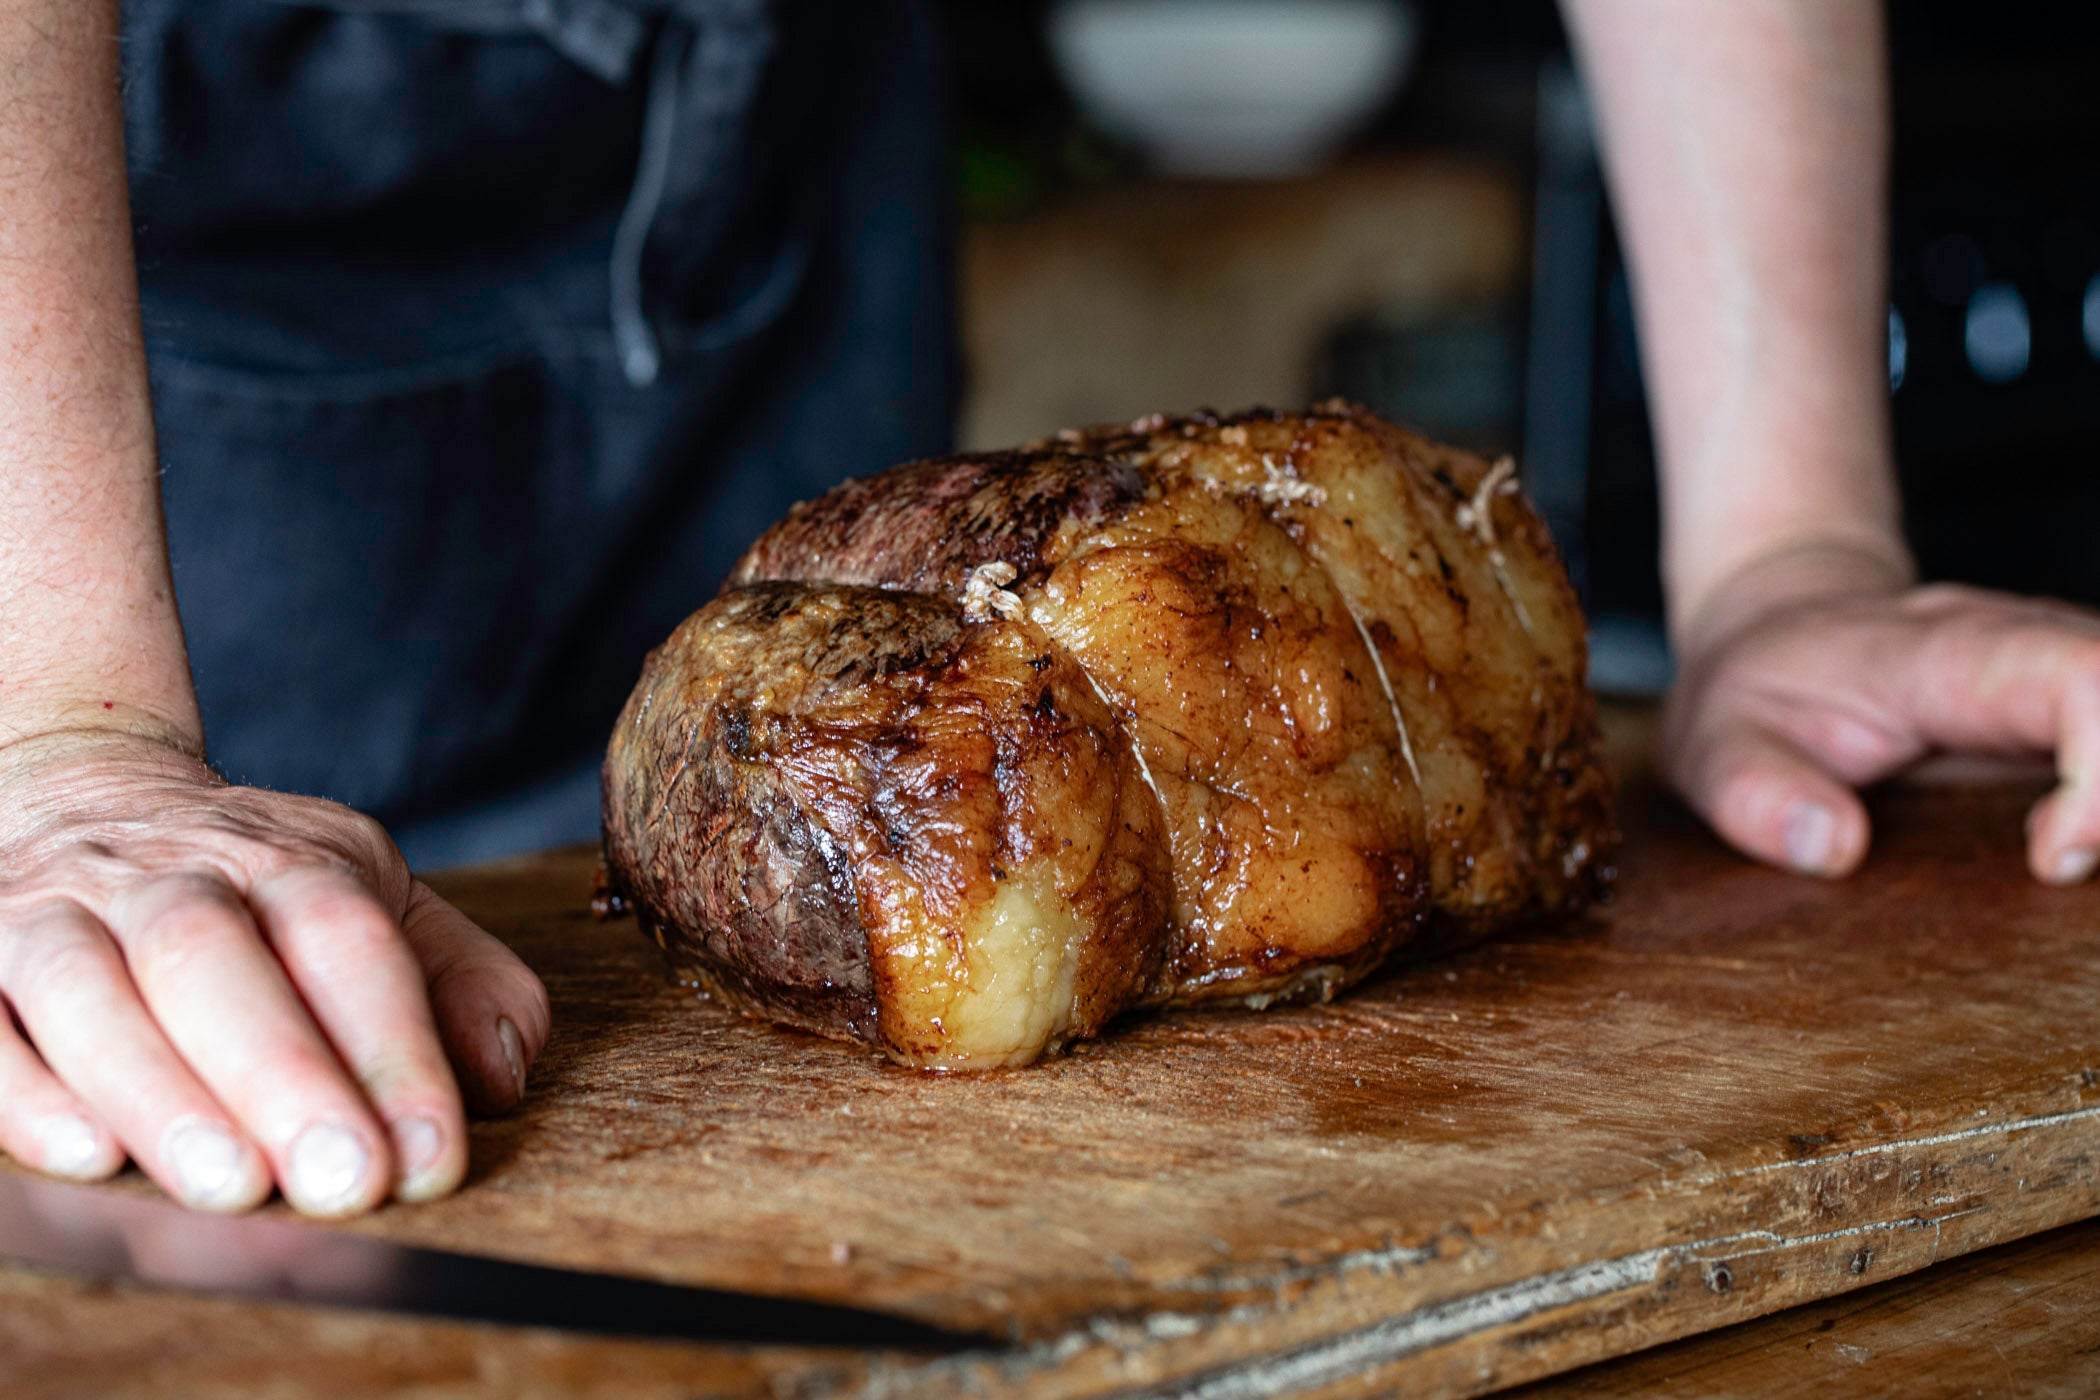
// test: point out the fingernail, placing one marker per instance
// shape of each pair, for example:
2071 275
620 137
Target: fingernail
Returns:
210 1166
1811 831
70 1146
513 1052
326 1169
417 1146
2074 865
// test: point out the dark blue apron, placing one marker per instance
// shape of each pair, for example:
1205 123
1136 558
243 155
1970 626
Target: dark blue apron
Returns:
485 333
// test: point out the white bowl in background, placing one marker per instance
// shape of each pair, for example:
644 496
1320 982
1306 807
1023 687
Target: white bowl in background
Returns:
1232 88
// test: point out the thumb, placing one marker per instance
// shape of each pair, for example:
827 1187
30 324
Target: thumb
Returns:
1772 800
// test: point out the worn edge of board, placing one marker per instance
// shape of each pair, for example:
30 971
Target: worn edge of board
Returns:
2021 1318
1361 1326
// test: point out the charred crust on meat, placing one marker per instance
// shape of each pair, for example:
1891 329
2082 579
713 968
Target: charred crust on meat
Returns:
927 525
736 734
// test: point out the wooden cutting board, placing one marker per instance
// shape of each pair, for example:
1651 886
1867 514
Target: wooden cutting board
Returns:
1731 1091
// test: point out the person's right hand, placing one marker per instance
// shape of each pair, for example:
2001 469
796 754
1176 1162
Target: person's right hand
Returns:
236 988
1813 672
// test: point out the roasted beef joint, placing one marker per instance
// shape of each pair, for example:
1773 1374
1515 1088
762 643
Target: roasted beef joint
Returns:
969 757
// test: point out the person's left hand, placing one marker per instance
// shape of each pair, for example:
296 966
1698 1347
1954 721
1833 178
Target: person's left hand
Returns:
236 988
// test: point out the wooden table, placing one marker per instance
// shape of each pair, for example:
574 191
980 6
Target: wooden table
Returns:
1732 1092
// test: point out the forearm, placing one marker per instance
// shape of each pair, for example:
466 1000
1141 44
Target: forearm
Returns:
1745 145
88 627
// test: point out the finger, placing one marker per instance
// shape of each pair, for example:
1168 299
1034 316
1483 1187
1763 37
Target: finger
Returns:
351 965
491 1009
68 983
2030 680
1992 679
1770 800
223 999
1953 600
43 1124
2063 835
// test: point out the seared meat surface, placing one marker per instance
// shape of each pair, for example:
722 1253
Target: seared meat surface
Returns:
970 756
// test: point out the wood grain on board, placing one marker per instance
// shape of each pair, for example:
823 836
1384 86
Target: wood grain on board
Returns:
1731 1091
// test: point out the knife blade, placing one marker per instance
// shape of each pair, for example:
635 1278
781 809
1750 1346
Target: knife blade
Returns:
85 1230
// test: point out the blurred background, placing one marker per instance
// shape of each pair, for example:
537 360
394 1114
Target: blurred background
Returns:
1174 203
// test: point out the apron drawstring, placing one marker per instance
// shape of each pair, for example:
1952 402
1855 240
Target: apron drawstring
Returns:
723 43
633 336
596 35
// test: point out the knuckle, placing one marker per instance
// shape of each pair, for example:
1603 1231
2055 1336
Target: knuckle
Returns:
77 871
181 926
348 844
364 841
372 834
350 918
2083 660
59 968
320 890
1932 599
342 931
